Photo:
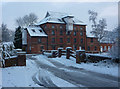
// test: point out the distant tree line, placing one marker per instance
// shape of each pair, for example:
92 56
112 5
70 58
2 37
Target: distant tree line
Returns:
6 34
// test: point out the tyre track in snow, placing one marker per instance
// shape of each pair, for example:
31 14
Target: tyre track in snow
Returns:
79 77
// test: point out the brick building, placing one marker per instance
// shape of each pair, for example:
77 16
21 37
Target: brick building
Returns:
58 30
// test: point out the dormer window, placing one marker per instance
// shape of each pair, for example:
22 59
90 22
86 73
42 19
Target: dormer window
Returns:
40 30
33 30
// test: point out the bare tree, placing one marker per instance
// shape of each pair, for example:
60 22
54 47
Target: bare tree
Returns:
7 35
115 48
20 22
27 20
98 28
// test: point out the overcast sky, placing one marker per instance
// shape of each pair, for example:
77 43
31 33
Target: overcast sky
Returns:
13 10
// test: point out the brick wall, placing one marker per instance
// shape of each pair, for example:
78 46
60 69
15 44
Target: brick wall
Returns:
105 46
33 44
58 37
49 28
93 44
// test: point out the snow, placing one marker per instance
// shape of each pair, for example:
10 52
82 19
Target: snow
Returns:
101 55
50 78
38 31
95 67
19 76
42 58
57 17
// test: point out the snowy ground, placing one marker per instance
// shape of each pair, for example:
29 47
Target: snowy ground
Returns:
60 72
104 68
19 76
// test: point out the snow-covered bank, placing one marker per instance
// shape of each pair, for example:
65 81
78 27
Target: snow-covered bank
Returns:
95 67
19 76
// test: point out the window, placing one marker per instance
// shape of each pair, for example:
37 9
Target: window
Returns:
68 40
61 46
68 33
75 47
83 48
74 28
61 27
81 40
53 26
104 48
108 48
61 40
39 40
40 30
95 48
80 48
53 32
88 48
74 33
61 32
74 40
101 48
91 40
81 33
53 40
81 28
41 48
53 47
33 30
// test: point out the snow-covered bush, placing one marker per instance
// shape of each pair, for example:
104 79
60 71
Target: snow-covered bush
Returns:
8 50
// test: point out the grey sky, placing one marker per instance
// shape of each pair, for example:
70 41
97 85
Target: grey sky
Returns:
13 10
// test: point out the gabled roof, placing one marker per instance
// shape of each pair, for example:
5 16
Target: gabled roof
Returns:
36 31
57 17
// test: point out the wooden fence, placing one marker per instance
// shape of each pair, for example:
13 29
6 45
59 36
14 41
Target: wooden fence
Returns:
79 55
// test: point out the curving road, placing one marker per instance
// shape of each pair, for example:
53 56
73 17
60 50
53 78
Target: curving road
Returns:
75 76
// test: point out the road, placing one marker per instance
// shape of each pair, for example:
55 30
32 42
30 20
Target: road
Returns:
76 76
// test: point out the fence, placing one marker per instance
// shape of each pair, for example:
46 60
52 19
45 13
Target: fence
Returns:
79 55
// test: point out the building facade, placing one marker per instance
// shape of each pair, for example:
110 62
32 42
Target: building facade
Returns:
58 30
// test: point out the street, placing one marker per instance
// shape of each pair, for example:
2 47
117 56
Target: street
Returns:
79 77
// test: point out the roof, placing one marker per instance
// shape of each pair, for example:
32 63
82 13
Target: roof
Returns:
92 37
36 31
57 17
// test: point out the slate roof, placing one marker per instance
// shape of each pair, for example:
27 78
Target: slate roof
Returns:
36 31
57 17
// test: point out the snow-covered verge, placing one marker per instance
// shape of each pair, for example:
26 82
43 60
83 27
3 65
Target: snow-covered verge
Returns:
101 67
19 76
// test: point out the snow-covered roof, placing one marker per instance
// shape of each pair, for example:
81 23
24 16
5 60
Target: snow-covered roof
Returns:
57 17
91 36
35 31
